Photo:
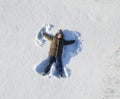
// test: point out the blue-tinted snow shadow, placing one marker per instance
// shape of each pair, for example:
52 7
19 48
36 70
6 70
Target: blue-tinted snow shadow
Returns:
40 68
69 51
72 50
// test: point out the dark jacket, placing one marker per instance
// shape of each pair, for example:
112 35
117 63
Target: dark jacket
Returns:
56 46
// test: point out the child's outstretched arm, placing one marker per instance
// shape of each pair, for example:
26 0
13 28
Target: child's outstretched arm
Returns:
49 37
69 42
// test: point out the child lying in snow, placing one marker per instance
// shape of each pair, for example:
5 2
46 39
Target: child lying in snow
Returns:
55 52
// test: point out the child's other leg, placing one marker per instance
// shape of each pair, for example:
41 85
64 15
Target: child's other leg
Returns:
59 66
51 59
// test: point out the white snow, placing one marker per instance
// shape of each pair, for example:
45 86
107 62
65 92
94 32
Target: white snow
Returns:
95 70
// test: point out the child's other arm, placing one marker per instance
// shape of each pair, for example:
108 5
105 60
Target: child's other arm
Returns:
69 42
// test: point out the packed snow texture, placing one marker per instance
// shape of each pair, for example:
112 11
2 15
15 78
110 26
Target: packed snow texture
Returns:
95 71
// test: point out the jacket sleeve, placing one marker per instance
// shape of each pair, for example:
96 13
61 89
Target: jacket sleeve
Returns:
69 42
48 36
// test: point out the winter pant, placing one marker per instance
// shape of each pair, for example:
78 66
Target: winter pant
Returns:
58 61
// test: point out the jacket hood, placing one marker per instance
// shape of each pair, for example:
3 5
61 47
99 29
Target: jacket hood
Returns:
60 32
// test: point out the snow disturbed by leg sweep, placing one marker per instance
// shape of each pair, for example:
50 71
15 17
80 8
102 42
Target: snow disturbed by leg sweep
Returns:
68 51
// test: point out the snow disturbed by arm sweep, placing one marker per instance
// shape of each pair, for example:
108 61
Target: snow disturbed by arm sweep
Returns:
69 51
39 37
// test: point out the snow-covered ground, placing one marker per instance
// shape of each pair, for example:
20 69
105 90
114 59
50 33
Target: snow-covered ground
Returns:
95 70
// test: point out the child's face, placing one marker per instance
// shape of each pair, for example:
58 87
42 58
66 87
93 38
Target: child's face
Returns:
59 36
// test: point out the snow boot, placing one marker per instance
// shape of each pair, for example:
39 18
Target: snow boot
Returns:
47 71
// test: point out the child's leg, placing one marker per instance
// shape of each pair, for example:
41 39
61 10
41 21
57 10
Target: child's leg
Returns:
51 59
59 66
